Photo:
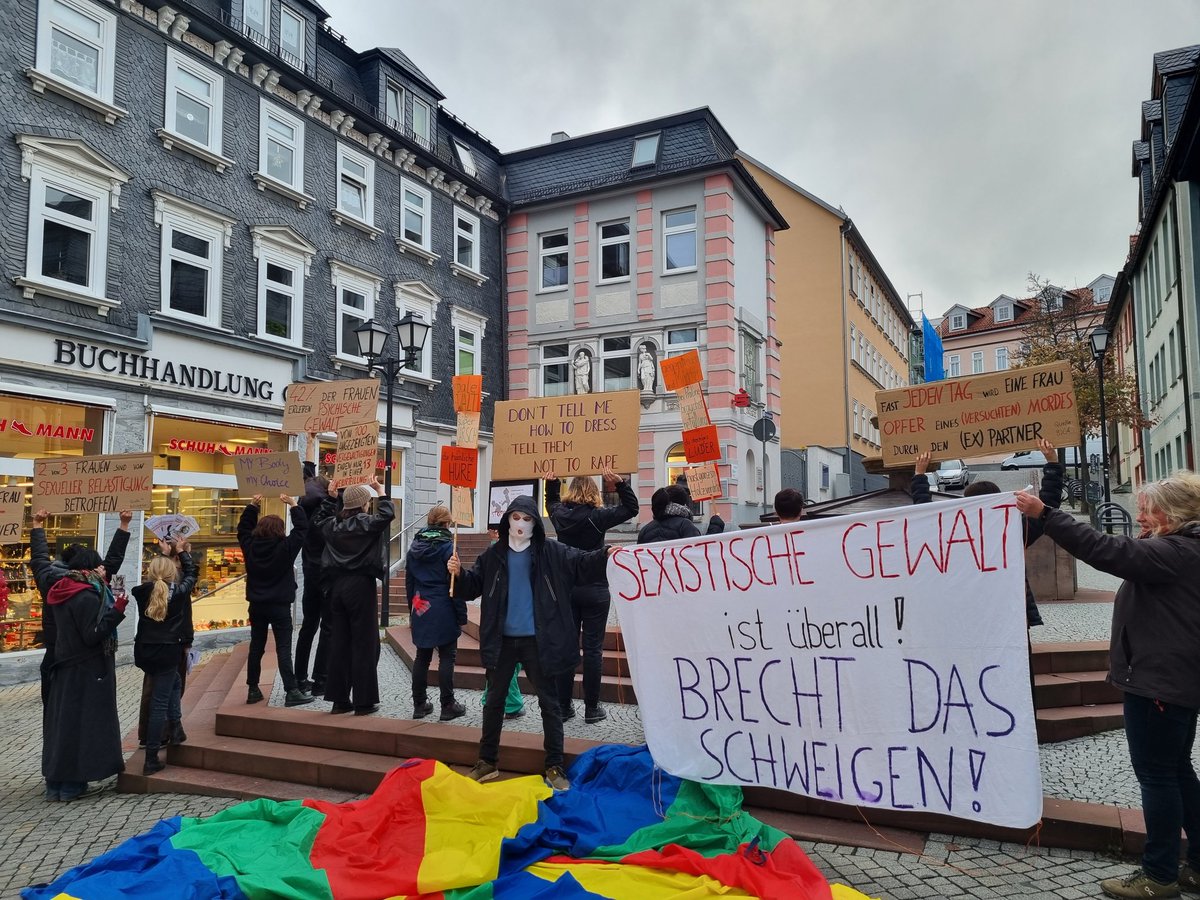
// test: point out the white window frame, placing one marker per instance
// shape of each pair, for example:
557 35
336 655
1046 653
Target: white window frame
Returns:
757 385
343 216
626 354
958 321
390 87
461 215
1001 359
425 138
403 242
1004 312
641 141
97 230
295 188
259 37
416 297
671 231
284 12
976 362
43 76
564 360
674 349
345 277
953 366
462 320
466 159
603 242
283 247
544 251
210 152
854 415
172 214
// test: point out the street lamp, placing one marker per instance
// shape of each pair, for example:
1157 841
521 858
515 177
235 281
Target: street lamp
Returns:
1099 339
411 332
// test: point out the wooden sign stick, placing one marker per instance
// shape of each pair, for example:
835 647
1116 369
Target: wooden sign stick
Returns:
459 562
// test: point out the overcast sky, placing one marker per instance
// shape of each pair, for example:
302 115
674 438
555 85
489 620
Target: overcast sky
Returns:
971 142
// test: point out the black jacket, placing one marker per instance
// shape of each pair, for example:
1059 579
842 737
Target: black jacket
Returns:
557 568
156 647
47 571
314 543
354 545
1155 639
270 562
675 522
582 527
425 576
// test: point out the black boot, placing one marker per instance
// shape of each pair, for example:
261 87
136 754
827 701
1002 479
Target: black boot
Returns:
153 763
178 735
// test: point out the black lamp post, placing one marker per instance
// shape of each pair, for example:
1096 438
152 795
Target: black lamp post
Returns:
1099 339
411 332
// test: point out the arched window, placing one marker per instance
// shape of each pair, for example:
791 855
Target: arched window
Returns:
750 479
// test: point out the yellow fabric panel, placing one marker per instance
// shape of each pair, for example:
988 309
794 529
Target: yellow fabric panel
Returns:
465 823
841 892
622 882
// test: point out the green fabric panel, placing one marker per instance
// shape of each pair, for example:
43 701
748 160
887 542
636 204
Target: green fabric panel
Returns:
265 845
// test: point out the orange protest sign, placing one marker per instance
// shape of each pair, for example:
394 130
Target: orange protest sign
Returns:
680 371
460 466
704 482
701 444
468 393
692 408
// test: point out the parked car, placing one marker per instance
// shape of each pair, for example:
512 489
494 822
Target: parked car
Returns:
1033 459
953 473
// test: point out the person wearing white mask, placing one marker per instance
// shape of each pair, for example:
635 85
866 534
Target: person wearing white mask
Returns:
525 582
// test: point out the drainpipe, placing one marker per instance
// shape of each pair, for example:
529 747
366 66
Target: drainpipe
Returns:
1185 369
846 226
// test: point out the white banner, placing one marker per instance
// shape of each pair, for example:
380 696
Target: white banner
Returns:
879 660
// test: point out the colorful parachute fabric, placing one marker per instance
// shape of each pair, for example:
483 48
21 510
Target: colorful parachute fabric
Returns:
624 830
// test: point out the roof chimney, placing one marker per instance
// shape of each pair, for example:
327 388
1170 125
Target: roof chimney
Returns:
558 136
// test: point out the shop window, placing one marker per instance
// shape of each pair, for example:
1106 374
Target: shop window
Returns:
193 245
356 293
556 370
677 466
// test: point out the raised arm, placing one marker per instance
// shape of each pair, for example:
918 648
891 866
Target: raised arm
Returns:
46 571
607 517
1050 492
919 488
247 522
118 546
187 580
295 540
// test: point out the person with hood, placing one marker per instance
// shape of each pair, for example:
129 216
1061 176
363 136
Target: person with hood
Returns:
270 555
1152 654
81 731
525 617
435 617
673 517
353 560
163 600
314 600
581 520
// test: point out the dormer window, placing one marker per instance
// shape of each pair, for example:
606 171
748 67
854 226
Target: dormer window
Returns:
1004 312
466 159
645 150
958 321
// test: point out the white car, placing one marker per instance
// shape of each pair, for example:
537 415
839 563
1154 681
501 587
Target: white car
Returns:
1023 459
953 473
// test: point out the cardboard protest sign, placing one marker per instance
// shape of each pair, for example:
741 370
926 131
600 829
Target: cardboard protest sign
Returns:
12 513
682 370
878 660
357 452
93 484
979 414
468 393
701 444
578 435
704 482
462 507
460 466
312 407
692 408
468 429
270 474
502 493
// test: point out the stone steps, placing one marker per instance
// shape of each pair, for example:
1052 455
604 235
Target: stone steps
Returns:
1072 696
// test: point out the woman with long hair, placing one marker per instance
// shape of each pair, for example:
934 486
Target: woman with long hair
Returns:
163 600
353 560
1153 652
270 554
436 619
581 520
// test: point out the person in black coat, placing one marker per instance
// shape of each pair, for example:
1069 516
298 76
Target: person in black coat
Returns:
81 732
172 551
270 555
1051 492
580 520
525 617
353 561
163 600
436 618
672 513
315 598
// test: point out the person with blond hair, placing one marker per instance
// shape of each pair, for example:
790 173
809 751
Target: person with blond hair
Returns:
163 600
1153 652
581 520
436 618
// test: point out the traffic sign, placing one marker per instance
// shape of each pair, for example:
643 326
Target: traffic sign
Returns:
764 429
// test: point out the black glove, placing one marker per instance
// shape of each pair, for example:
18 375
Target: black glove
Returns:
716 525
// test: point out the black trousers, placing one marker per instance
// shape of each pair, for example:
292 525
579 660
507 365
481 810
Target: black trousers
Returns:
591 621
164 705
315 603
277 617
148 688
521 650
353 676
420 672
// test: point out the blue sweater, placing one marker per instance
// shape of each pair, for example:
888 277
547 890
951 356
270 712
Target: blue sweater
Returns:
518 622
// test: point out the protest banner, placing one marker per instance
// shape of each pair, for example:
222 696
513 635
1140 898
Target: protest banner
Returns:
878 660
357 452
468 429
468 393
270 474
701 444
12 513
704 482
312 407
583 434
460 466
682 370
979 414
93 484
462 507
692 407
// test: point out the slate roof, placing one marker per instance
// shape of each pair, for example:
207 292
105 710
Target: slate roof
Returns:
400 58
982 318
1179 60
1151 110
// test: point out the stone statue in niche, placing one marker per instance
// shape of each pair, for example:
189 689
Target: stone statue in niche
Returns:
582 364
647 367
